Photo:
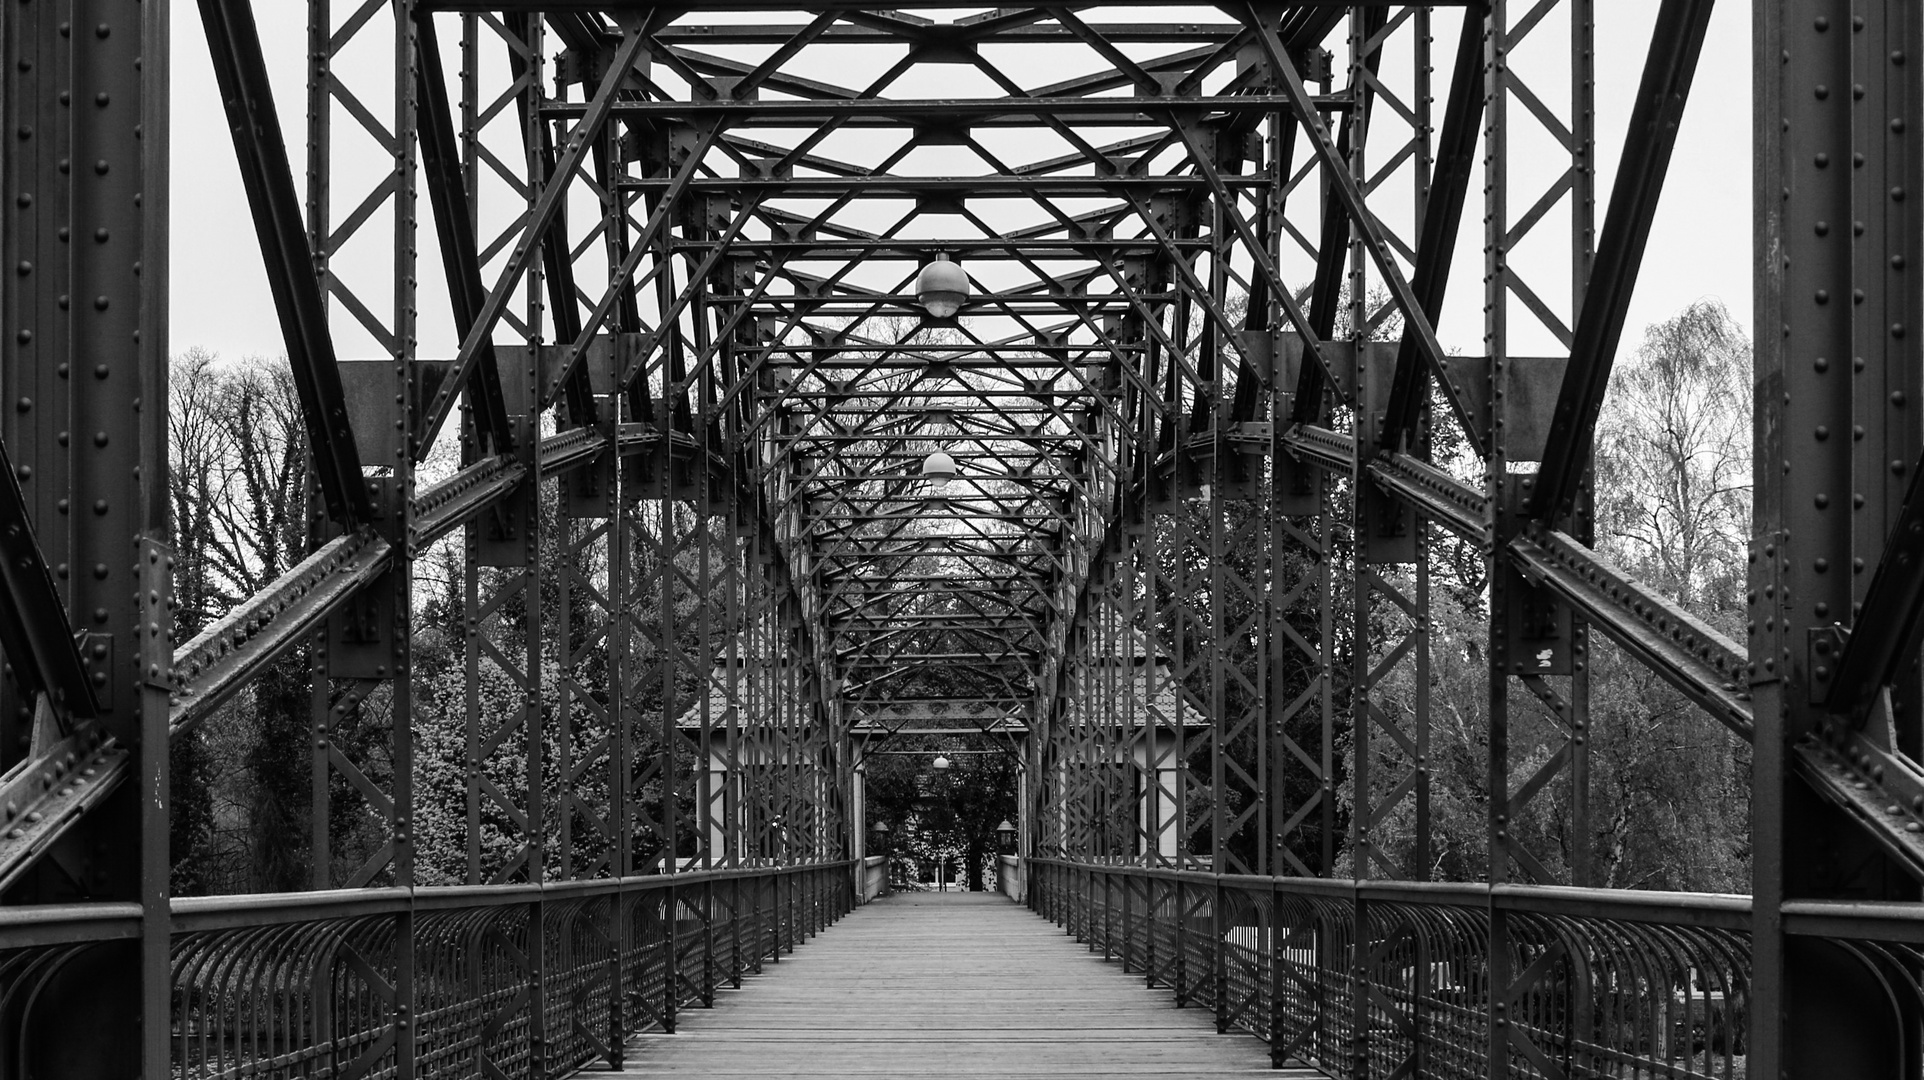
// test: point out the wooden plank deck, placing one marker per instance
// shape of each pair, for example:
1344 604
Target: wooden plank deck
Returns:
945 985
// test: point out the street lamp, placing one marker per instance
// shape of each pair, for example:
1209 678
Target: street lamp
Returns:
941 764
1005 833
941 287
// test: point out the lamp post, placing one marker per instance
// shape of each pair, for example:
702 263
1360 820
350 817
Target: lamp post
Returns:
1005 834
941 764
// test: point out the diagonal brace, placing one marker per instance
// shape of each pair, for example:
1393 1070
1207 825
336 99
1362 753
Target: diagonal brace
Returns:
35 635
1301 104
460 253
1887 631
1442 213
553 196
1674 48
235 45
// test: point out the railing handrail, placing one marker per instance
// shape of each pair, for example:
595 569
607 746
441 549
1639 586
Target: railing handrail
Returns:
1721 910
264 909
32 925
289 983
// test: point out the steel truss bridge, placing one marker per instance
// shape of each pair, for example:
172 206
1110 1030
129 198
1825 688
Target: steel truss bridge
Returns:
1193 397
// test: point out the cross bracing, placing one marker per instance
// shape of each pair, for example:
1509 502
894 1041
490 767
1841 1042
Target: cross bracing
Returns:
732 501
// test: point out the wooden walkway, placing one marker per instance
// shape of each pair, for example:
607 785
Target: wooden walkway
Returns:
946 985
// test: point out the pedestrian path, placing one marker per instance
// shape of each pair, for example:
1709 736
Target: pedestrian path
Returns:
945 985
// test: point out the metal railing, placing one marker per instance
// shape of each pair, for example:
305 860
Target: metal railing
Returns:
511 980
1381 980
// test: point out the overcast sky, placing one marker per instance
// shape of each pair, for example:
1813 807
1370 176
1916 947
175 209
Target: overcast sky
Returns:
1700 248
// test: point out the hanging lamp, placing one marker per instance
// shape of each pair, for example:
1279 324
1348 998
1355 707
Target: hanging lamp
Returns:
941 287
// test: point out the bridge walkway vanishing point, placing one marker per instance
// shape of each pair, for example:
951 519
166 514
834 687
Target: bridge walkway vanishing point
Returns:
945 984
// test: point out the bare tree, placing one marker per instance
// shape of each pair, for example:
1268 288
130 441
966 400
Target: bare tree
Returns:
238 495
1673 460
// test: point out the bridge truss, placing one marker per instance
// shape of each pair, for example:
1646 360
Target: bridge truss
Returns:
1197 408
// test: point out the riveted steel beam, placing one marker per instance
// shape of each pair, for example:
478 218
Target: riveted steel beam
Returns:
1654 122
479 338
1885 635
460 254
35 634
234 42
1683 649
1442 217
1690 654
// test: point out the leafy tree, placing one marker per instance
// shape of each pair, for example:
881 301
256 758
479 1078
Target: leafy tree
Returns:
939 814
1670 792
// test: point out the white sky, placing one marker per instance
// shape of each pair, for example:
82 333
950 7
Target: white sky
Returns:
1701 246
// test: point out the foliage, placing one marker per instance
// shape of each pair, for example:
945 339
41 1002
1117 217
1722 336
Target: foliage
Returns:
936 814
238 497
1668 789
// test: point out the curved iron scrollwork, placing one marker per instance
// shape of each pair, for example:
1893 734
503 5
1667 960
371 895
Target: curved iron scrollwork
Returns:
1586 987
316 985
